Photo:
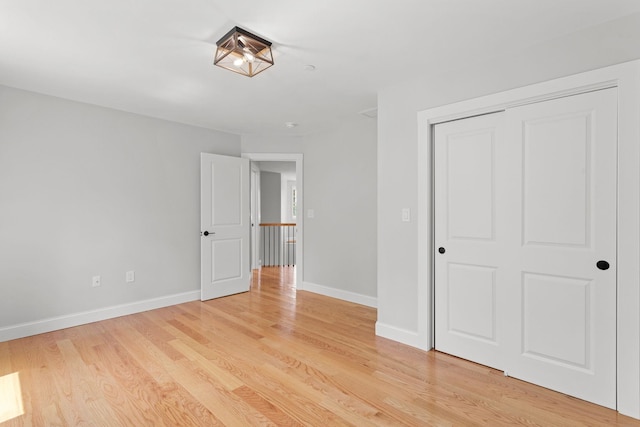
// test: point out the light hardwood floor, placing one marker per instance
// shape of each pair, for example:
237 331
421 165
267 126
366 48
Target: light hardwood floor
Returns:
272 356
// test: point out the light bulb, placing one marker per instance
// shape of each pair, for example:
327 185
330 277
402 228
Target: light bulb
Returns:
238 62
249 57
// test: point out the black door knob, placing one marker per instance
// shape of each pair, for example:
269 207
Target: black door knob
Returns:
206 233
602 265
441 250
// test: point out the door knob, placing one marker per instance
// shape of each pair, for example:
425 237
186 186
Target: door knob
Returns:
441 250
206 233
602 265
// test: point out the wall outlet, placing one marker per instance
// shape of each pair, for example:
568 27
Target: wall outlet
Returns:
130 276
95 281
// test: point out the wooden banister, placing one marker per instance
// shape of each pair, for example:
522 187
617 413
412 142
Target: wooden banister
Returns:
277 243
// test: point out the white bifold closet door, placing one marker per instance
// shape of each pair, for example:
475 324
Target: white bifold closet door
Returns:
525 235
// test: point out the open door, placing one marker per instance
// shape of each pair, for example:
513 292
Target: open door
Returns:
224 225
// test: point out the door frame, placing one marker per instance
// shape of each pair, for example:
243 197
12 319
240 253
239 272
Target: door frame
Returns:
298 159
626 78
255 214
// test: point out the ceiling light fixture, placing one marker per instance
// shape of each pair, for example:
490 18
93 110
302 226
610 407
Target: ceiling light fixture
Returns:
243 53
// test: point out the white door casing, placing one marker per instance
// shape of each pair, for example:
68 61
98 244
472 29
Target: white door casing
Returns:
225 225
298 159
524 219
255 216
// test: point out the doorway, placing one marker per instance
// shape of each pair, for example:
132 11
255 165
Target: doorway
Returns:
285 172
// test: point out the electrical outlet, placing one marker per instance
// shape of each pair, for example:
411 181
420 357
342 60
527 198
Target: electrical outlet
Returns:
95 281
130 276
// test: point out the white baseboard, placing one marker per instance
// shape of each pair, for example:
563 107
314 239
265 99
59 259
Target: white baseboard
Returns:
340 294
402 336
68 321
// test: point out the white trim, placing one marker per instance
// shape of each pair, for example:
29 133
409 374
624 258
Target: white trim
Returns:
68 321
397 334
626 77
425 253
339 294
298 158
255 195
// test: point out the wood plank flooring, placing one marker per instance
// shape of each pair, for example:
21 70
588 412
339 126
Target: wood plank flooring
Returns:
271 356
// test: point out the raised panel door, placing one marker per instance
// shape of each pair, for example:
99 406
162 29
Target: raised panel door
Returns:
468 273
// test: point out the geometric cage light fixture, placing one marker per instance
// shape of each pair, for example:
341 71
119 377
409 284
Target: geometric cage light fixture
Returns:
244 53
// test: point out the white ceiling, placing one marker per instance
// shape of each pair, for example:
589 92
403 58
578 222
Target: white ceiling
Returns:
154 57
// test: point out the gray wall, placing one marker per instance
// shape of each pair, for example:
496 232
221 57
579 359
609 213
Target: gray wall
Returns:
398 304
90 191
270 197
340 186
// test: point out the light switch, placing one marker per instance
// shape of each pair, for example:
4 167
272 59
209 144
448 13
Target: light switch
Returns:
311 213
406 215
130 276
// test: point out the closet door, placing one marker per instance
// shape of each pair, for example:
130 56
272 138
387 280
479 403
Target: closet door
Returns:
561 313
525 242
469 177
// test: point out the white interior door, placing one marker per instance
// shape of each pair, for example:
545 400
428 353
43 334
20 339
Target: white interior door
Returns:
562 319
525 209
225 225
470 238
